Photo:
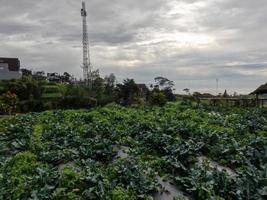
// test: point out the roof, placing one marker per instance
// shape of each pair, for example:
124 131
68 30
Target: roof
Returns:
261 90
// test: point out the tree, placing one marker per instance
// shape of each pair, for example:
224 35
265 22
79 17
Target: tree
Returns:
26 72
166 86
95 74
98 86
110 80
157 97
169 94
197 94
127 93
65 77
40 75
187 91
108 95
77 96
164 83
23 88
9 102
225 94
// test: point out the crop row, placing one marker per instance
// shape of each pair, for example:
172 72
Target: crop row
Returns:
117 152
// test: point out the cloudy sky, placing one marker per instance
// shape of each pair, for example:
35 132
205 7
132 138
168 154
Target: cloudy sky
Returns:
191 42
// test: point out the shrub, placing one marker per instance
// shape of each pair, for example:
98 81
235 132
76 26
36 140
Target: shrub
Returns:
76 102
158 98
69 185
119 193
8 103
19 172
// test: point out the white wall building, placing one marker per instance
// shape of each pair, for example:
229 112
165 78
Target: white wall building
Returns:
9 68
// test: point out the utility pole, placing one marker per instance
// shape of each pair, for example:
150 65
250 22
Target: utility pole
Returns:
87 68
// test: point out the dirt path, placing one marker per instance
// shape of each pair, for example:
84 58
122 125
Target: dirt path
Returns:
214 165
168 191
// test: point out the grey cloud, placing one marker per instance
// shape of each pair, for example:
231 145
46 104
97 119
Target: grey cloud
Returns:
127 38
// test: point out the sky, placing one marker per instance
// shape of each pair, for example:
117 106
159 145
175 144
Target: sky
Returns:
191 42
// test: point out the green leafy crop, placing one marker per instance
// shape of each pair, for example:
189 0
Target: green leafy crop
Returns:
117 153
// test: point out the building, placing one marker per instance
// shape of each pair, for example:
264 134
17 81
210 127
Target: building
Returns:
9 68
54 77
261 95
261 91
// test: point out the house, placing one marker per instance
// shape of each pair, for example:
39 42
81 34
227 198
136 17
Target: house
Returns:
54 77
9 68
39 75
260 91
261 95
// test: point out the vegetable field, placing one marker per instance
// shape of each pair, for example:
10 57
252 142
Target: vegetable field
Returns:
118 153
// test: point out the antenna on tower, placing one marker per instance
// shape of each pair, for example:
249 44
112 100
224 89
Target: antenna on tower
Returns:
87 67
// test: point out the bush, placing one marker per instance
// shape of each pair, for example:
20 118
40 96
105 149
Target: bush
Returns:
188 100
51 93
104 99
119 193
48 106
158 98
70 183
19 171
31 105
76 102
169 94
8 103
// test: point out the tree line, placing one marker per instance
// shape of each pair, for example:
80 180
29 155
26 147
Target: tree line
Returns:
37 92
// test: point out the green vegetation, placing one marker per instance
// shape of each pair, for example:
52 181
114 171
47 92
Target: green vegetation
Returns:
34 94
207 152
51 92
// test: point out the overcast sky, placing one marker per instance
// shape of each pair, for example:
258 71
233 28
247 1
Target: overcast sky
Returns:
191 42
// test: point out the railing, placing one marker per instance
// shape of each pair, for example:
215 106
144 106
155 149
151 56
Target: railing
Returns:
235 101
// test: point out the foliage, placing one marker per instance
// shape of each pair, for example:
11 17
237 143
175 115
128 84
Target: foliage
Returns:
69 186
8 103
157 98
51 92
24 177
23 88
169 94
165 86
127 93
120 193
77 154
164 83
37 92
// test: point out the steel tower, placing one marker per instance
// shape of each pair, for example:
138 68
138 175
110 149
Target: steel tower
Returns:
87 68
